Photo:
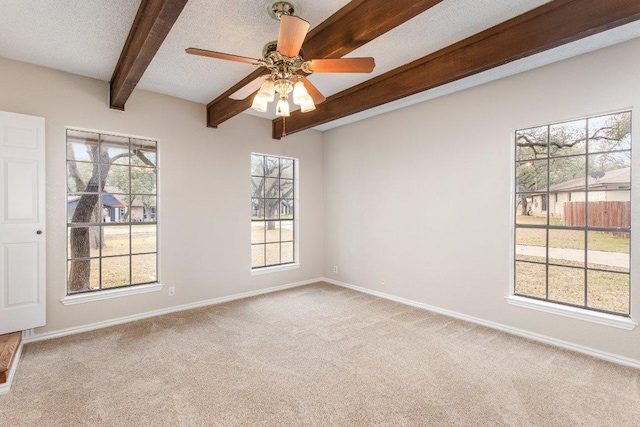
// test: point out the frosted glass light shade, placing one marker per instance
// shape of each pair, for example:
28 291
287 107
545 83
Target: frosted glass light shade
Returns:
267 90
307 104
259 103
282 109
299 93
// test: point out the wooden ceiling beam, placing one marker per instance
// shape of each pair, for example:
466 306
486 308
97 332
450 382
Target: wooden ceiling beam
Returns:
550 25
356 24
152 23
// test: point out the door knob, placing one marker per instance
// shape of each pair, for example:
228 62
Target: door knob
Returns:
39 232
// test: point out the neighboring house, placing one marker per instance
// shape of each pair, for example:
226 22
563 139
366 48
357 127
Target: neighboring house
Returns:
602 188
112 208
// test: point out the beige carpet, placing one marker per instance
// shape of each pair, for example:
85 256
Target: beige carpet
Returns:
316 355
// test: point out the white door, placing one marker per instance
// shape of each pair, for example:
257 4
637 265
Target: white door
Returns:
22 222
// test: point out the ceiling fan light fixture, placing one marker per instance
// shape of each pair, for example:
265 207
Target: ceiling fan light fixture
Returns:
260 103
282 109
267 90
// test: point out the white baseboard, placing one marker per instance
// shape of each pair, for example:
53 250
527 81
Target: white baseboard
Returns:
29 336
4 388
610 357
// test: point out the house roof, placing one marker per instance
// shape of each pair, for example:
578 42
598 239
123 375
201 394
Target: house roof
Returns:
107 200
618 176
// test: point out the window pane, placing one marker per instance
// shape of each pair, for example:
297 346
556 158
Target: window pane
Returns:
531 143
531 279
286 209
143 238
143 268
82 177
608 250
531 244
286 231
568 138
567 174
143 180
272 167
257 232
115 271
609 212
84 242
273 231
531 176
609 171
82 146
117 179
529 208
116 240
566 247
572 209
257 165
82 208
286 188
143 208
272 207
608 291
84 275
257 209
286 168
287 252
257 187
271 189
612 132
257 256
114 149
566 285
273 253
112 206
143 153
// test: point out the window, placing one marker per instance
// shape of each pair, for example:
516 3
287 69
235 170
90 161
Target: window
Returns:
273 183
573 248
111 211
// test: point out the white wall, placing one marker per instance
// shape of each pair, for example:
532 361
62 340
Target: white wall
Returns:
204 208
421 196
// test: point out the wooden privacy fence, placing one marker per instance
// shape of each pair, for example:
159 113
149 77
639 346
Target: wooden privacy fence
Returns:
601 214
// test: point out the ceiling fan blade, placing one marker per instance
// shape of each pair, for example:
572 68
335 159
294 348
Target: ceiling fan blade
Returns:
248 89
314 93
220 55
293 31
342 65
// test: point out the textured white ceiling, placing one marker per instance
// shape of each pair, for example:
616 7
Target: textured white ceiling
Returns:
86 37
79 36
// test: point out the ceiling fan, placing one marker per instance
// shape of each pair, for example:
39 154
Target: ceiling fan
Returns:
287 68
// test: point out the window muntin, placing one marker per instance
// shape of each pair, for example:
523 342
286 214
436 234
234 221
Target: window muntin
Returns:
573 213
111 211
273 184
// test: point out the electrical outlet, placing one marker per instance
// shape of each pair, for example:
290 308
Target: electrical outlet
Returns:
383 281
172 291
335 269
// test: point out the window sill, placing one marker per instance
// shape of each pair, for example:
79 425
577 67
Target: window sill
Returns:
275 269
110 293
573 312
